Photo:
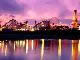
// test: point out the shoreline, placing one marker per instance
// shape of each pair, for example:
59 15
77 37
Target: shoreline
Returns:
48 34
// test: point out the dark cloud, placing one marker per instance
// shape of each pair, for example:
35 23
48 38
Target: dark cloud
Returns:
55 8
10 6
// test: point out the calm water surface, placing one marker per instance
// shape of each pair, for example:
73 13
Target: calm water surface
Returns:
43 49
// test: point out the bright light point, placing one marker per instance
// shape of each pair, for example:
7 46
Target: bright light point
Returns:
32 44
32 29
6 40
72 47
59 48
42 49
79 27
79 47
27 46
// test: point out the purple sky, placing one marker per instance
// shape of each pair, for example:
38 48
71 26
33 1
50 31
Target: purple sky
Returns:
23 9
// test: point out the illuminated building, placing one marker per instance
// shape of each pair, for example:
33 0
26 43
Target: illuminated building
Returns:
75 20
44 25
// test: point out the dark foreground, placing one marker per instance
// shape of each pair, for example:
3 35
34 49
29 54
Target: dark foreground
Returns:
49 34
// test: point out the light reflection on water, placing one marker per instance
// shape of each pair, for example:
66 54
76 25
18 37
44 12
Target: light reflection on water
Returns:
42 49
59 49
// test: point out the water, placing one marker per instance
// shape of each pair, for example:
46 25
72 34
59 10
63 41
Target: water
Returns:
43 49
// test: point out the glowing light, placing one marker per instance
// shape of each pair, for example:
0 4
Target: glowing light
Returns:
26 46
9 42
32 29
14 45
6 40
17 43
42 25
42 49
79 27
73 18
22 29
6 50
59 48
0 29
0 45
23 43
72 47
79 47
32 44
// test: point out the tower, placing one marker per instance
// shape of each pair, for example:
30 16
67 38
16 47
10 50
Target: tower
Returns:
75 20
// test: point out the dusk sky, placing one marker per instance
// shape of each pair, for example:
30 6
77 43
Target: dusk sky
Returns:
23 9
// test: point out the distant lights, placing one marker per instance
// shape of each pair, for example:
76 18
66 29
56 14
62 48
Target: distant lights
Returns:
32 29
79 27
42 25
6 40
21 29
0 41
